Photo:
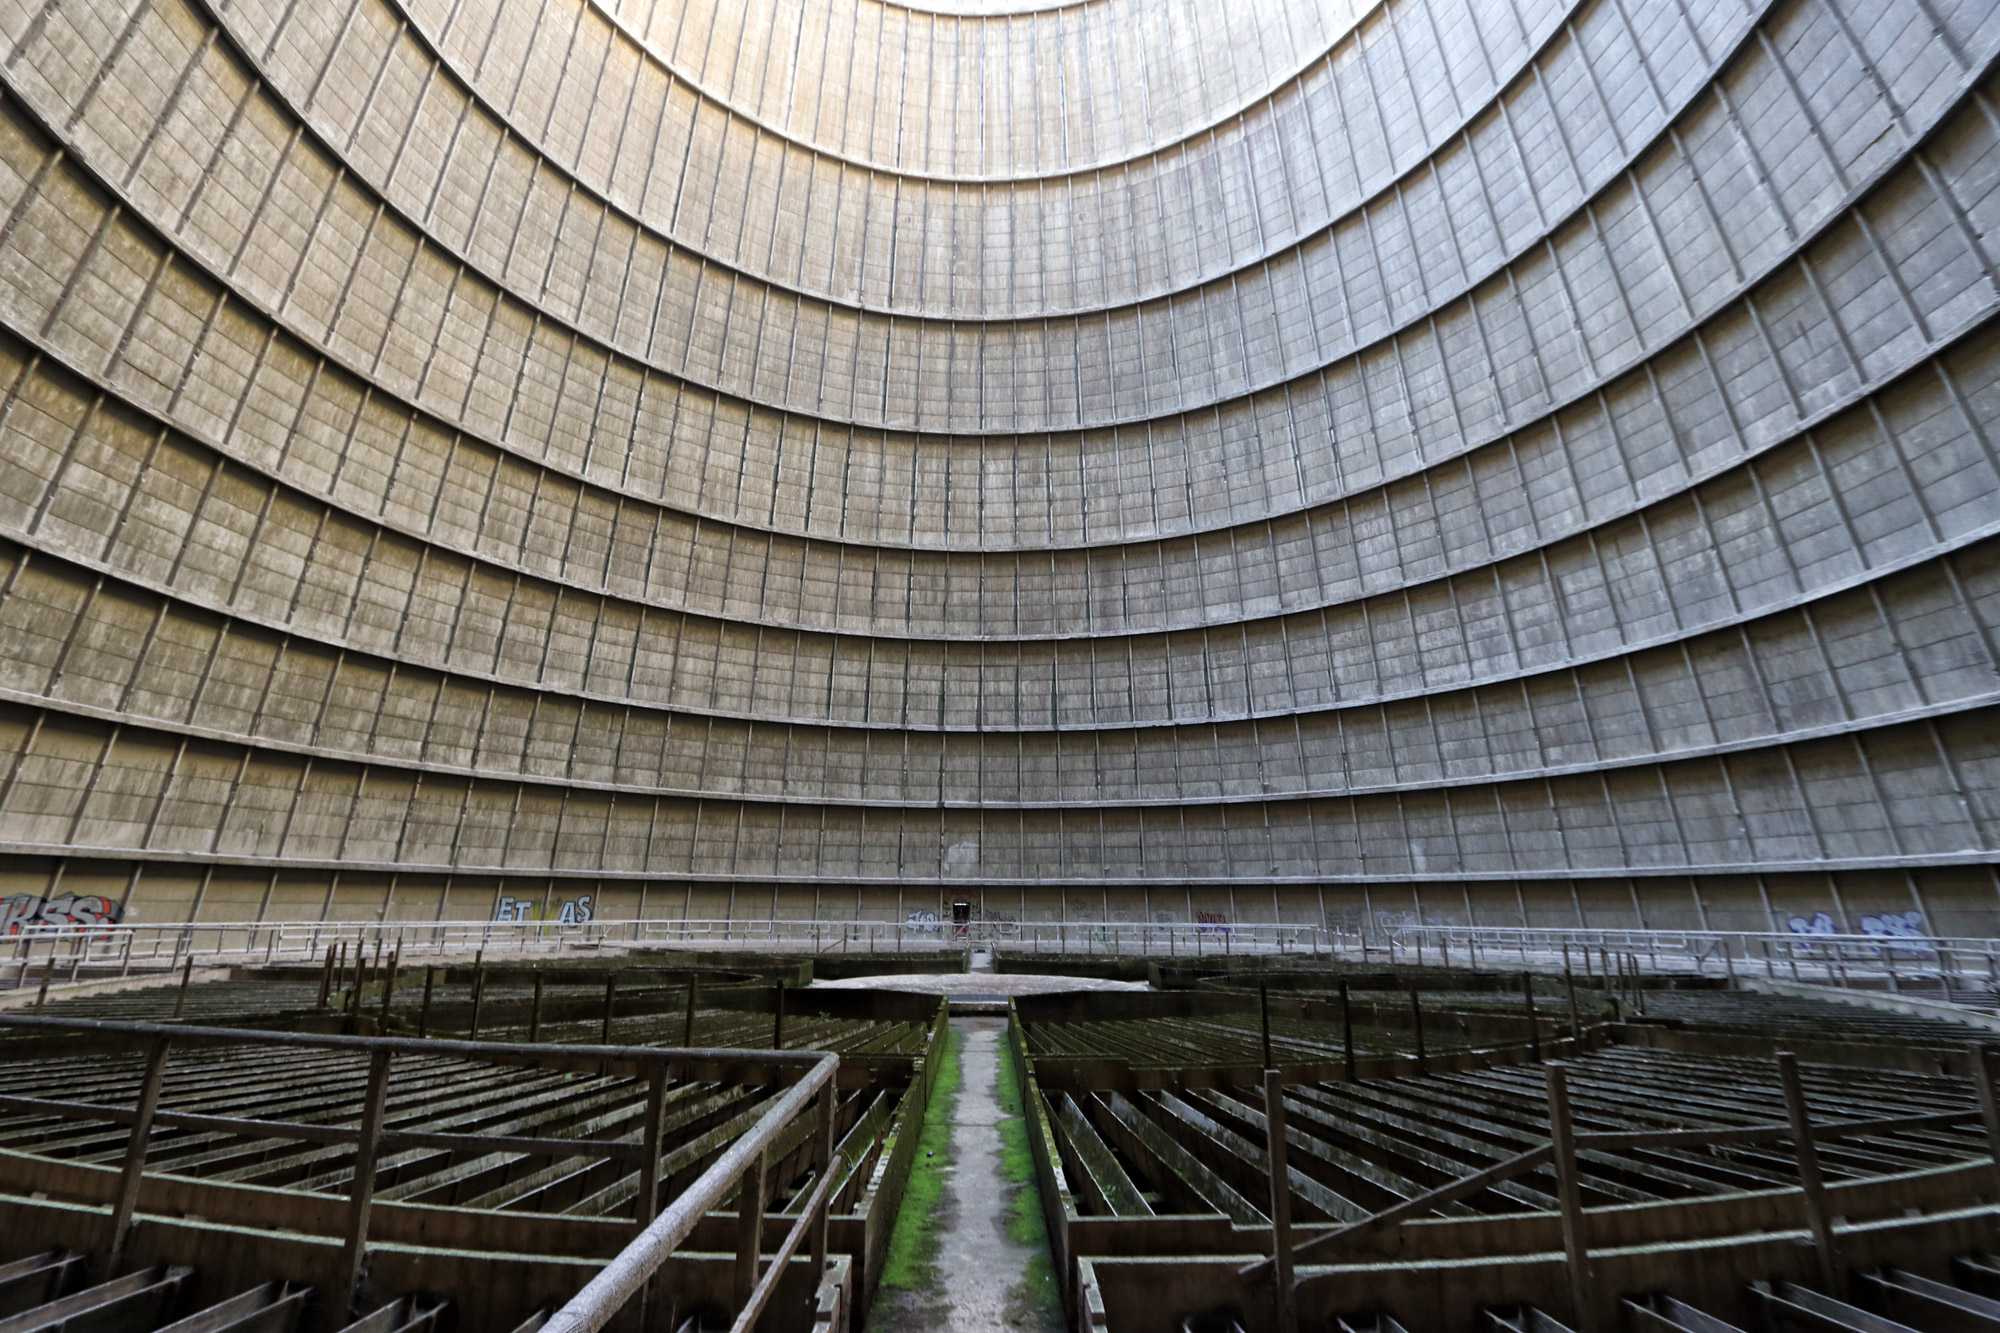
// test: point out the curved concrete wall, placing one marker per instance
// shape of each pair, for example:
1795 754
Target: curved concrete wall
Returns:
1496 460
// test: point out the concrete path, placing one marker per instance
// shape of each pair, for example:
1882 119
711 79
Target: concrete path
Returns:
982 1274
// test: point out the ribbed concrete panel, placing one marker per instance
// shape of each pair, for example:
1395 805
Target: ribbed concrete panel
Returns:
1503 461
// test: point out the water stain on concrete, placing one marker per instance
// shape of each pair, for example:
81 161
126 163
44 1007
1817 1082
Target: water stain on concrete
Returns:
982 1274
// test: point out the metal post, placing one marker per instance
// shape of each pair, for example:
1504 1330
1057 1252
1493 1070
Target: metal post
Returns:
1989 1106
1569 1198
1264 1020
1534 1023
424 1014
1417 1022
325 979
135 1154
829 1112
1575 1021
1810 1182
610 1005
1347 1030
535 1010
1281 1203
187 975
646 1205
687 1035
361 1195
389 988
778 1021
478 991
48 970
360 979
750 1225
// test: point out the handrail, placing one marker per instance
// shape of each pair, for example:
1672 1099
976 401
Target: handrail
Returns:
38 953
811 1073
620 1280
746 1320
1381 939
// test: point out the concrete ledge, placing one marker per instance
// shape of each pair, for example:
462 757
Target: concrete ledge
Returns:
24 996
1885 1002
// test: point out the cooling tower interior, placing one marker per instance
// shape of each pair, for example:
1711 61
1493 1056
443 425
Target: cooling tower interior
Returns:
1344 465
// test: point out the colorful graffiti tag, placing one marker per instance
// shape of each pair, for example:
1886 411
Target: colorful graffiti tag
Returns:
1894 925
25 911
1882 925
573 912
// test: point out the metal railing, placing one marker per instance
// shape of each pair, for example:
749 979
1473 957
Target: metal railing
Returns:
62 952
1894 962
53 954
811 1076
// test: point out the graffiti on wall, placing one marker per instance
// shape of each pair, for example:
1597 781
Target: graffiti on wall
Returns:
1883 925
1000 925
1395 925
925 923
1344 921
573 911
26 911
1212 922
1894 925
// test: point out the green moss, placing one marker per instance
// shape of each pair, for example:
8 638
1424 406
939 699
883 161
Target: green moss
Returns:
1026 1226
912 1260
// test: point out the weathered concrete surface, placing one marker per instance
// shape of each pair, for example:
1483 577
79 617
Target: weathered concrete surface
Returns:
25 995
982 1274
1917 1006
733 555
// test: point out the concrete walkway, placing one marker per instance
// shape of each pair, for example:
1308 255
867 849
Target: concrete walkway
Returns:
982 1274
978 983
